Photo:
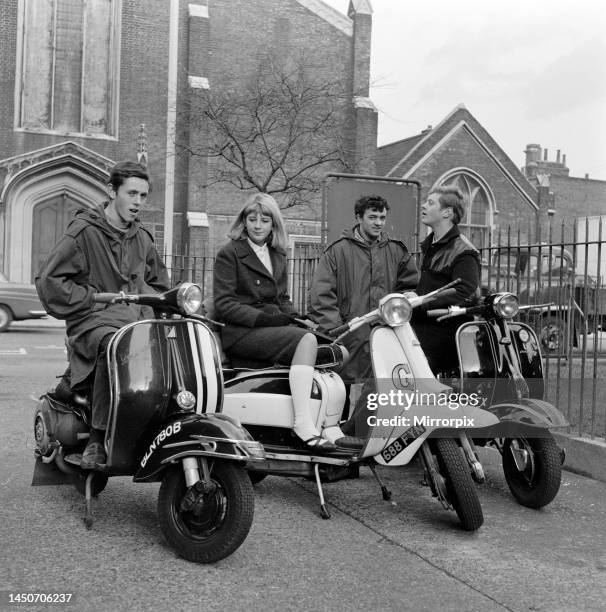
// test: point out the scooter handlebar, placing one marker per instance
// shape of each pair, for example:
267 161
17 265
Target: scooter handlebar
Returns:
448 313
112 298
438 312
430 297
338 330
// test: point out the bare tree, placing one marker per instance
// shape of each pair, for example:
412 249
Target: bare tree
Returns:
279 135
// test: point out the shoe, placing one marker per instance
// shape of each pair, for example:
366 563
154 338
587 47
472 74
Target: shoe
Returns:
350 442
93 455
319 443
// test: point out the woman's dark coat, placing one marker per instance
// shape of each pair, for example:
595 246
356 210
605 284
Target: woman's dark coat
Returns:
243 288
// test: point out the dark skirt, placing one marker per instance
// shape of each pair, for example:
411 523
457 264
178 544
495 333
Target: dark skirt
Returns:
268 344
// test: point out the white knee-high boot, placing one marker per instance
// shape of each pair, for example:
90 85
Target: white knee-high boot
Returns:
301 380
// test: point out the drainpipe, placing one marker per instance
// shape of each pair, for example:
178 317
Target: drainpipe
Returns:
171 121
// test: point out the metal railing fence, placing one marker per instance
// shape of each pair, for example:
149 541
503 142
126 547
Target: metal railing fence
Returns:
564 280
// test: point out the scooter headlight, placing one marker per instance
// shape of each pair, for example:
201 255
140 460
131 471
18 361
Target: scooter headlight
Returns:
395 309
189 298
506 305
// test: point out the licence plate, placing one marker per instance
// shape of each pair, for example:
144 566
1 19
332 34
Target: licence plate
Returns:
389 453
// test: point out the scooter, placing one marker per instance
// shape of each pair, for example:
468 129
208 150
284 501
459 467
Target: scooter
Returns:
165 425
500 360
407 418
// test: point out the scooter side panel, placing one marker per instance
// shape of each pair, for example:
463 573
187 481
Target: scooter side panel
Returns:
263 398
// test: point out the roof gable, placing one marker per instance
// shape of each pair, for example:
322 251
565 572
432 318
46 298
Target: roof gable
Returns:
425 144
390 155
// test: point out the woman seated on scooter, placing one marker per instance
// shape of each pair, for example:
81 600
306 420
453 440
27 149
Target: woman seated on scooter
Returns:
250 297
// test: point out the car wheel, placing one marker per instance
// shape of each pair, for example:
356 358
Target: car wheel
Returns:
6 318
552 333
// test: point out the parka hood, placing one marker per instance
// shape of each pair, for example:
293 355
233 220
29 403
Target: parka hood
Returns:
349 234
95 215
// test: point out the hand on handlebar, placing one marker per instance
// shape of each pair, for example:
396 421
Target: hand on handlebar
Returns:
113 298
333 333
308 323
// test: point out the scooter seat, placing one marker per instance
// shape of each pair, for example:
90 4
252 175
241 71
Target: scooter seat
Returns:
329 355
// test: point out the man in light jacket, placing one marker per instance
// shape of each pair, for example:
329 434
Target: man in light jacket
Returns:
353 274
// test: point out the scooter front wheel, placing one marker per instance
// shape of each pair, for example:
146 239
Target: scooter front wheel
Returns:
536 481
460 489
216 526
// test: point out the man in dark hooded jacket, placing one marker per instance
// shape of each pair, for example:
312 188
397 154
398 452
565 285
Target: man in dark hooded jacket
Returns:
447 255
104 249
353 274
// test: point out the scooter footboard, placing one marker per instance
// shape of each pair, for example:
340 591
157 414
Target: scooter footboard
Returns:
208 435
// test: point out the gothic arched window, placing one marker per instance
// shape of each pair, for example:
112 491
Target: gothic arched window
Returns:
68 66
478 218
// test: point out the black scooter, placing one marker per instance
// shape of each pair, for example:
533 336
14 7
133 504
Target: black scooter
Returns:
500 360
164 375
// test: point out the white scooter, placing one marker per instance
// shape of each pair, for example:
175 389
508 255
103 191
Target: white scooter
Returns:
407 415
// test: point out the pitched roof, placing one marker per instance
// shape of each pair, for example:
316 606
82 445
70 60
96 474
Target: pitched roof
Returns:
391 154
329 14
407 155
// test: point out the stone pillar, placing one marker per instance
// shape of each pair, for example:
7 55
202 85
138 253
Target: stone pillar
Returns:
195 221
364 138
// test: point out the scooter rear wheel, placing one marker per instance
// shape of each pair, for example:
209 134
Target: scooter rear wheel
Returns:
539 482
460 489
223 521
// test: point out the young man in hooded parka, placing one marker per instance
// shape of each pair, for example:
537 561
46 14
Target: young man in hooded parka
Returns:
104 249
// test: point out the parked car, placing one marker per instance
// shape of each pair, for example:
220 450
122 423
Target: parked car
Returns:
18 301
545 277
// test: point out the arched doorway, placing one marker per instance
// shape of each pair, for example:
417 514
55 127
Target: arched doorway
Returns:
50 218
41 200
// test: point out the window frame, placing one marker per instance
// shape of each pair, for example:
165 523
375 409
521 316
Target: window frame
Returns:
113 79
452 177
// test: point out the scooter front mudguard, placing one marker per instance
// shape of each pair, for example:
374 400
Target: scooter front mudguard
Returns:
209 435
529 418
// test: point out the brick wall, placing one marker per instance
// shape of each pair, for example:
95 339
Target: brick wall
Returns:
240 35
226 49
463 151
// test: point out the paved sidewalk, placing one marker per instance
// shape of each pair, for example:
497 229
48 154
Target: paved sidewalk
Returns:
34 323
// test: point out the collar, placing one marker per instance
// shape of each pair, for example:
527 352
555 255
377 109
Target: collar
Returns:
259 250
451 234
357 234
243 248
